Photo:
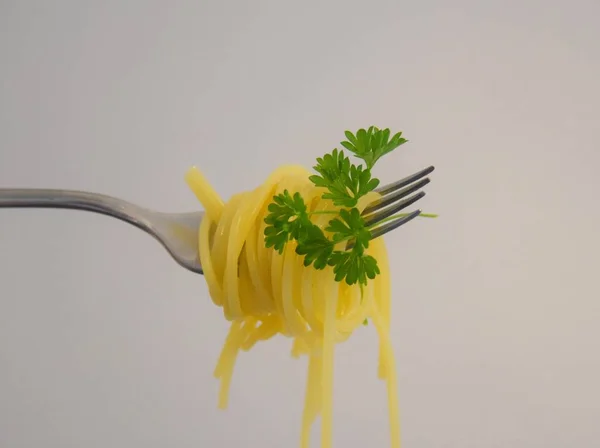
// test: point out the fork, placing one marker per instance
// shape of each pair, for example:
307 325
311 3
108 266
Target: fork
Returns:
178 232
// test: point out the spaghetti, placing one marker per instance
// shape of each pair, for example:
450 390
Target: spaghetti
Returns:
264 294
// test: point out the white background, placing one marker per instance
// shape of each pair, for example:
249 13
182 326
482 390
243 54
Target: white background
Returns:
107 342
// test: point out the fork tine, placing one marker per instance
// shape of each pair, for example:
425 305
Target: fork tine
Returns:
390 188
391 225
373 218
393 197
389 193
388 227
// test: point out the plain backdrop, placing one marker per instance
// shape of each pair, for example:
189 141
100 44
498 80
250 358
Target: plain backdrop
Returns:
106 342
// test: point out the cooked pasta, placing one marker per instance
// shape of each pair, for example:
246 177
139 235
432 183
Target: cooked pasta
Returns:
264 294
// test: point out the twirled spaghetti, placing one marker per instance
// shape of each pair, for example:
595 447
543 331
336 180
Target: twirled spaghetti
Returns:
264 293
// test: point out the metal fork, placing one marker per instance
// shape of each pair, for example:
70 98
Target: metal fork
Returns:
178 232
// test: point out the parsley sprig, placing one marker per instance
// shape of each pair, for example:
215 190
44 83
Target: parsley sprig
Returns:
372 144
344 183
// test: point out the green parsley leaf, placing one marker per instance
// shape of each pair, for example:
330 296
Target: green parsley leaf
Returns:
315 247
287 219
353 267
361 182
346 183
350 226
334 170
372 144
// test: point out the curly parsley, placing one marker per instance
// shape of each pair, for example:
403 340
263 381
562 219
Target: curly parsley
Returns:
344 184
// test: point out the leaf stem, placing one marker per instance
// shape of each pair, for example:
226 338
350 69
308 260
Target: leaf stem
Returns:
324 212
401 215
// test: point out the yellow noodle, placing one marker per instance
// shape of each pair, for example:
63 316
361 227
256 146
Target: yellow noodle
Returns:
264 293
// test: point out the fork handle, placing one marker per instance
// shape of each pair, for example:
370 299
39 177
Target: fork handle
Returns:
73 200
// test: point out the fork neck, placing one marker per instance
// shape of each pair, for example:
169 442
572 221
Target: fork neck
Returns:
73 200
